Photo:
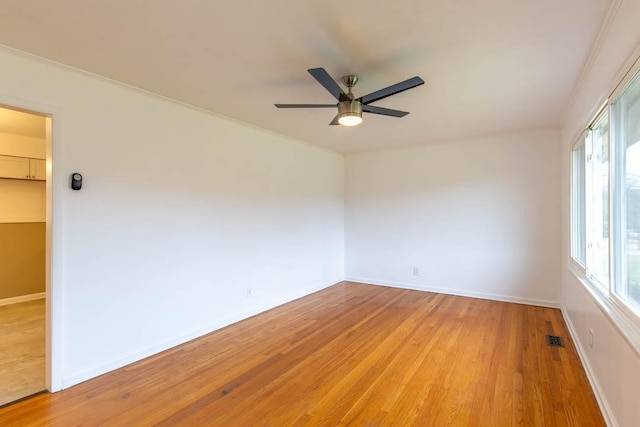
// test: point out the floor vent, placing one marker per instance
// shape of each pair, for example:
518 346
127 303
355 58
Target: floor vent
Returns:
554 341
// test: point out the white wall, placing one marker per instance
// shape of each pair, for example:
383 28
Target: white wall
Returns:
180 212
613 365
478 217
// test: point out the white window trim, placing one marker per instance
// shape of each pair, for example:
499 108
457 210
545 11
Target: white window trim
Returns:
625 81
578 267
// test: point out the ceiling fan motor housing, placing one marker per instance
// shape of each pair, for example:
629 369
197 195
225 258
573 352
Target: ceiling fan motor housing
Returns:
350 108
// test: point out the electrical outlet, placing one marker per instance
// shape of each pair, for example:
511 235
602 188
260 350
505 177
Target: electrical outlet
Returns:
249 292
591 338
416 271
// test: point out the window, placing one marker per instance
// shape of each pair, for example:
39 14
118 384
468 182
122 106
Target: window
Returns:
626 127
590 201
597 203
605 201
578 198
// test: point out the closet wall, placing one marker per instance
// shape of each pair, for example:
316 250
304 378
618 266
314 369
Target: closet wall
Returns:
22 218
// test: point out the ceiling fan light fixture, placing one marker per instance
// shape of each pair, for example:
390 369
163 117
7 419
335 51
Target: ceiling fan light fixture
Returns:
350 108
350 113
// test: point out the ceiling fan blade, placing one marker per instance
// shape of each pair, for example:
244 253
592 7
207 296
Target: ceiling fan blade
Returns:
392 90
384 111
334 121
321 75
305 105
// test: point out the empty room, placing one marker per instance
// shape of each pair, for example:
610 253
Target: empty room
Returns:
410 213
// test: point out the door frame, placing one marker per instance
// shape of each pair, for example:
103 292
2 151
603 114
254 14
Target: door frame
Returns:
53 265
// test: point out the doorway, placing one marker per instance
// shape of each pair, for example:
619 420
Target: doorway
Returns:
23 253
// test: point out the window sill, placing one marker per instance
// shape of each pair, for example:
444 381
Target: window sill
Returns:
627 326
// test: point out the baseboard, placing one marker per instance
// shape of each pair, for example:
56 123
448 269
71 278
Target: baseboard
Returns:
607 413
137 356
21 219
458 292
22 298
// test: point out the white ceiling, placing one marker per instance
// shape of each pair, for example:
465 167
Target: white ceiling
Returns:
490 66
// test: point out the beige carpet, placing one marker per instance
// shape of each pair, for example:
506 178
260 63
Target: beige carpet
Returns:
22 350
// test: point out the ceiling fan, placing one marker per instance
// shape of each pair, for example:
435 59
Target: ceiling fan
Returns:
350 108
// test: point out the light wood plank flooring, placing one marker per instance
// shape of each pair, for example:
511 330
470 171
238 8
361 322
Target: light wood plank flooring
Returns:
22 350
351 354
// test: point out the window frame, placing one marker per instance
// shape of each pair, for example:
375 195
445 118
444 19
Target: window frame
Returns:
616 217
575 205
604 282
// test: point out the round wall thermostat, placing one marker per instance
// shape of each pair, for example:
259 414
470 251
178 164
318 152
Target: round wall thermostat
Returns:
76 181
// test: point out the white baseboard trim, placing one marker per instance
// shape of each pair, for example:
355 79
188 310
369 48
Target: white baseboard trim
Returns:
134 357
22 298
458 292
607 413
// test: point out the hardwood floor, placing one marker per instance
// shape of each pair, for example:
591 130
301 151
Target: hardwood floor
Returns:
349 355
22 350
